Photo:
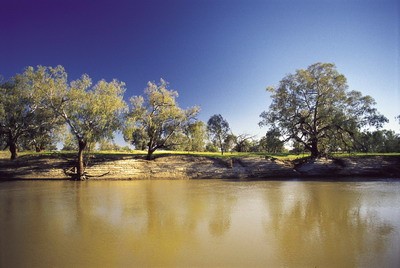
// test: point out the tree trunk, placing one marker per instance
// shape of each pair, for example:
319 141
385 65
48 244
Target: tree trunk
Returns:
13 150
314 149
80 167
150 152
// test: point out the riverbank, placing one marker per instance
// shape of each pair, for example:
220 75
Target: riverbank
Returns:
127 167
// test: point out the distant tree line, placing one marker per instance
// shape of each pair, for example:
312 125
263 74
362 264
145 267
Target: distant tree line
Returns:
311 110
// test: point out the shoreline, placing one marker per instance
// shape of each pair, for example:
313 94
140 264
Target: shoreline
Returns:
184 167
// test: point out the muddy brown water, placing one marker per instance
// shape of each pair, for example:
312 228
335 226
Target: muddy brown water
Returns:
202 223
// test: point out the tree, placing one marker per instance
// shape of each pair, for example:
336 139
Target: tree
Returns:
313 107
23 115
218 130
243 143
156 119
210 147
92 112
229 142
271 142
108 145
43 139
379 141
192 138
297 148
69 142
196 134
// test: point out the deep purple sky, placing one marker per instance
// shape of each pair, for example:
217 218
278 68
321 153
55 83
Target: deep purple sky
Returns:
219 54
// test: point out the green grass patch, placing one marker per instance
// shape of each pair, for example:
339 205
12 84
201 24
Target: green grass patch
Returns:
138 153
282 156
364 154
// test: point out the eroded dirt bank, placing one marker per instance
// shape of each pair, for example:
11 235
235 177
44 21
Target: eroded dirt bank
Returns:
127 167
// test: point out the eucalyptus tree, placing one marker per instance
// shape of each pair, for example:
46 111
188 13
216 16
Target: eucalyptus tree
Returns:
92 112
218 130
41 139
243 142
230 142
271 142
378 141
313 107
196 134
108 145
192 138
69 143
23 113
155 120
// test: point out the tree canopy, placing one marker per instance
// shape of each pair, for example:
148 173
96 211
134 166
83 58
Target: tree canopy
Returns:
314 107
155 120
196 134
24 118
218 129
271 142
92 112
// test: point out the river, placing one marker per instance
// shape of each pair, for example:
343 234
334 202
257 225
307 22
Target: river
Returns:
206 223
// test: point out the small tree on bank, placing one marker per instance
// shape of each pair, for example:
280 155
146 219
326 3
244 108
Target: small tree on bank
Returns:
196 135
271 142
243 143
92 112
313 107
218 130
155 120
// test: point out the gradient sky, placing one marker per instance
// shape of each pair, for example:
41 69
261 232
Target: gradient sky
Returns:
218 54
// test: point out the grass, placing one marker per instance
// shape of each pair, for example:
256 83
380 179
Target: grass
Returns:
364 154
6 154
282 156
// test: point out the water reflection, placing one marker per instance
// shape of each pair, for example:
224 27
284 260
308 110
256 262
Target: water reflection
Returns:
201 223
316 224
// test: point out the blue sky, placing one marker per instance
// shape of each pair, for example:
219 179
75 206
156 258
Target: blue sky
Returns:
218 54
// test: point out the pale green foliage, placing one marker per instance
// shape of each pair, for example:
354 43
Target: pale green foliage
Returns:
313 107
156 120
69 142
210 147
191 138
218 130
177 142
92 112
24 116
229 142
196 134
108 145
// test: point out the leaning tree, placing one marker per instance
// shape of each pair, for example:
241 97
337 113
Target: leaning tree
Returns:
155 120
92 112
314 107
